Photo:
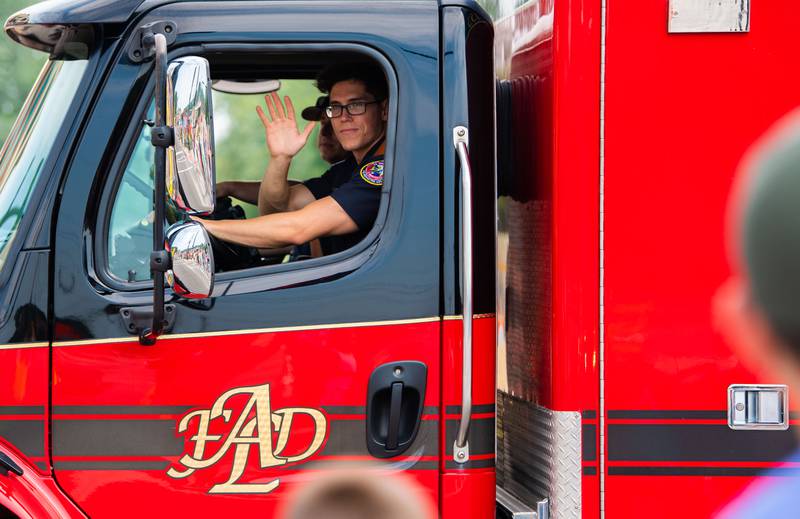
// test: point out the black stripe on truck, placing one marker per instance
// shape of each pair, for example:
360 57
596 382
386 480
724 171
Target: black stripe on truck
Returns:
589 442
25 435
148 438
480 436
702 471
696 442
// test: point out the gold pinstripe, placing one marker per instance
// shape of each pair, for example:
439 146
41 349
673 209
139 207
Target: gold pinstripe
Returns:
251 331
461 317
120 340
24 345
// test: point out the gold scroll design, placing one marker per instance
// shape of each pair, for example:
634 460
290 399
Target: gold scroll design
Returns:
246 432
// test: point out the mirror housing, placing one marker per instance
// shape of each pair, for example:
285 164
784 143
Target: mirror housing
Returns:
191 175
192 260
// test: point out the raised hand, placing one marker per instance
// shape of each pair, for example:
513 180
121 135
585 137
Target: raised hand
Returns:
284 140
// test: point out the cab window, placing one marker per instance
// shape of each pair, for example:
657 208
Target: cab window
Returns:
241 156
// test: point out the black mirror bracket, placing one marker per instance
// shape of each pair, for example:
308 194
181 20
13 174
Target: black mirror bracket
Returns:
159 258
159 261
162 136
139 319
141 48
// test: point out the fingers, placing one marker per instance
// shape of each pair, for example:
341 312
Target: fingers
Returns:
262 116
276 110
289 108
268 100
278 105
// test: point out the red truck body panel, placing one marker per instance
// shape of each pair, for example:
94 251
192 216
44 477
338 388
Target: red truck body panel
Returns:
548 52
628 228
681 110
469 492
32 494
24 379
89 395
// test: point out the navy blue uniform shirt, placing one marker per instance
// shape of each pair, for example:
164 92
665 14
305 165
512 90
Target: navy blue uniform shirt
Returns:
357 189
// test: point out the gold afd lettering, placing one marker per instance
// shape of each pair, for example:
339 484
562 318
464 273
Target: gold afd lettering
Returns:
252 427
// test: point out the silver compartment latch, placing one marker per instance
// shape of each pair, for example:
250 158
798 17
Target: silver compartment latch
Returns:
709 16
761 407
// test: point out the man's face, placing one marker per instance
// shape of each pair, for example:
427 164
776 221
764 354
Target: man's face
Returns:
357 133
329 148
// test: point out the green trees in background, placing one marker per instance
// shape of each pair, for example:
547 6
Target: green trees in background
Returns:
19 67
241 149
241 152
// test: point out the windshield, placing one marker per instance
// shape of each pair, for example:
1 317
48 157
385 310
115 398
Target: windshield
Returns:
29 143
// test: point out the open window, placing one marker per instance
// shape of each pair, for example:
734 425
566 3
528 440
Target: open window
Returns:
241 79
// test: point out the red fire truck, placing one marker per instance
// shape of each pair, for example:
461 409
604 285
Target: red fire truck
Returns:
556 172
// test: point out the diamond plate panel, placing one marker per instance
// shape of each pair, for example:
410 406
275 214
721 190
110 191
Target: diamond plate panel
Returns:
565 497
539 455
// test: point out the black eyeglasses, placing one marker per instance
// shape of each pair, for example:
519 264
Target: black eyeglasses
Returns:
355 108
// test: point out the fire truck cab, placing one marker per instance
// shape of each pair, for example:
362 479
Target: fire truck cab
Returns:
284 370
552 197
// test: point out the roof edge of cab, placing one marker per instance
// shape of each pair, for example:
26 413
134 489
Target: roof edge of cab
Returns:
66 28
77 12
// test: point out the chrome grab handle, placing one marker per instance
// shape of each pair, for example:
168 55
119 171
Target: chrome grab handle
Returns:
461 141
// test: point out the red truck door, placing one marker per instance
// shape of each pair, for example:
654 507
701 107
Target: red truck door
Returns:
282 373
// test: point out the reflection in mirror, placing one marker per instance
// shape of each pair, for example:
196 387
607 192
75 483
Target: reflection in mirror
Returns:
192 273
190 169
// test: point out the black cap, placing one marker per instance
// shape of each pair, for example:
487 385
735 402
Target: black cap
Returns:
315 113
770 233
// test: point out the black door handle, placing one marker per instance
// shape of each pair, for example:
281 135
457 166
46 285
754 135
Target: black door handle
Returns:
395 397
394 416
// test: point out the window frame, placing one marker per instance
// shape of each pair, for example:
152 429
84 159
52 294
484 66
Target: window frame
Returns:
265 277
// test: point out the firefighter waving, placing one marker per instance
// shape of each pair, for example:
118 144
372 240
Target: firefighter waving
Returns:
338 207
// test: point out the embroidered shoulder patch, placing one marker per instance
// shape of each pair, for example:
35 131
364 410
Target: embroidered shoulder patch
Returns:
372 173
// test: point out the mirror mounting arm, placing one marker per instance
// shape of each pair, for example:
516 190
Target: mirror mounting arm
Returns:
159 259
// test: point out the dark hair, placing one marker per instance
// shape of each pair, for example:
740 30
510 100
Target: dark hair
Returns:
368 73
771 236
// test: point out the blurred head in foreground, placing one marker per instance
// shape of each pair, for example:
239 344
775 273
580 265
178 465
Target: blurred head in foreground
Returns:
758 310
362 494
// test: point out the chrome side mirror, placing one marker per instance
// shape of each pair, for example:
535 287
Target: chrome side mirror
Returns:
192 272
191 175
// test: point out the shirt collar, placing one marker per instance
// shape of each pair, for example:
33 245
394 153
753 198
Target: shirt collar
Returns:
377 150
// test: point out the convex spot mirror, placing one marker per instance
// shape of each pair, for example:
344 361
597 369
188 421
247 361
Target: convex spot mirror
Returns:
192 272
191 175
